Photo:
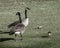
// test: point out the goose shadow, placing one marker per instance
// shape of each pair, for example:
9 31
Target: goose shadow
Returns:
45 36
6 39
1 32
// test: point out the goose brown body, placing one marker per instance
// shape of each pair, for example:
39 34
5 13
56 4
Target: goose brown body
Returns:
18 28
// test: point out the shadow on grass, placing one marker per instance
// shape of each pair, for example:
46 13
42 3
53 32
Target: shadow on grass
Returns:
4 32
1 32
45 36
48 0
6 39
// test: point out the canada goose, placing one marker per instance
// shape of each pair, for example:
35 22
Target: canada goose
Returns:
25 22
19 28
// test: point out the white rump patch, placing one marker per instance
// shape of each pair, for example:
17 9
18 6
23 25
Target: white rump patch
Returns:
25 22
17 32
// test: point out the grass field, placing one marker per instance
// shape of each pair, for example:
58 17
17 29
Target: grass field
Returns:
45 13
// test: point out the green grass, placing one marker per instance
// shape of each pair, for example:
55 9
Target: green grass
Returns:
45 13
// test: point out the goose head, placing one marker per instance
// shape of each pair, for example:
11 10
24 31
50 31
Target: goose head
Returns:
27 8
18 13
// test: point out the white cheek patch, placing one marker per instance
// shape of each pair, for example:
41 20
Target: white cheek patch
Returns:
25 22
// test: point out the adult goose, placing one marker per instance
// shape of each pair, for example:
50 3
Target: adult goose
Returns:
19 28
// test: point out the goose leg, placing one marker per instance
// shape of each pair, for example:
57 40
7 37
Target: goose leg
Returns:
15 37
21 36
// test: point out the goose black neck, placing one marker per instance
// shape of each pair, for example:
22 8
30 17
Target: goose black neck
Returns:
20 20
25 13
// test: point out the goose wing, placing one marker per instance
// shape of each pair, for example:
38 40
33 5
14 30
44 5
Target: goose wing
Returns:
19 27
